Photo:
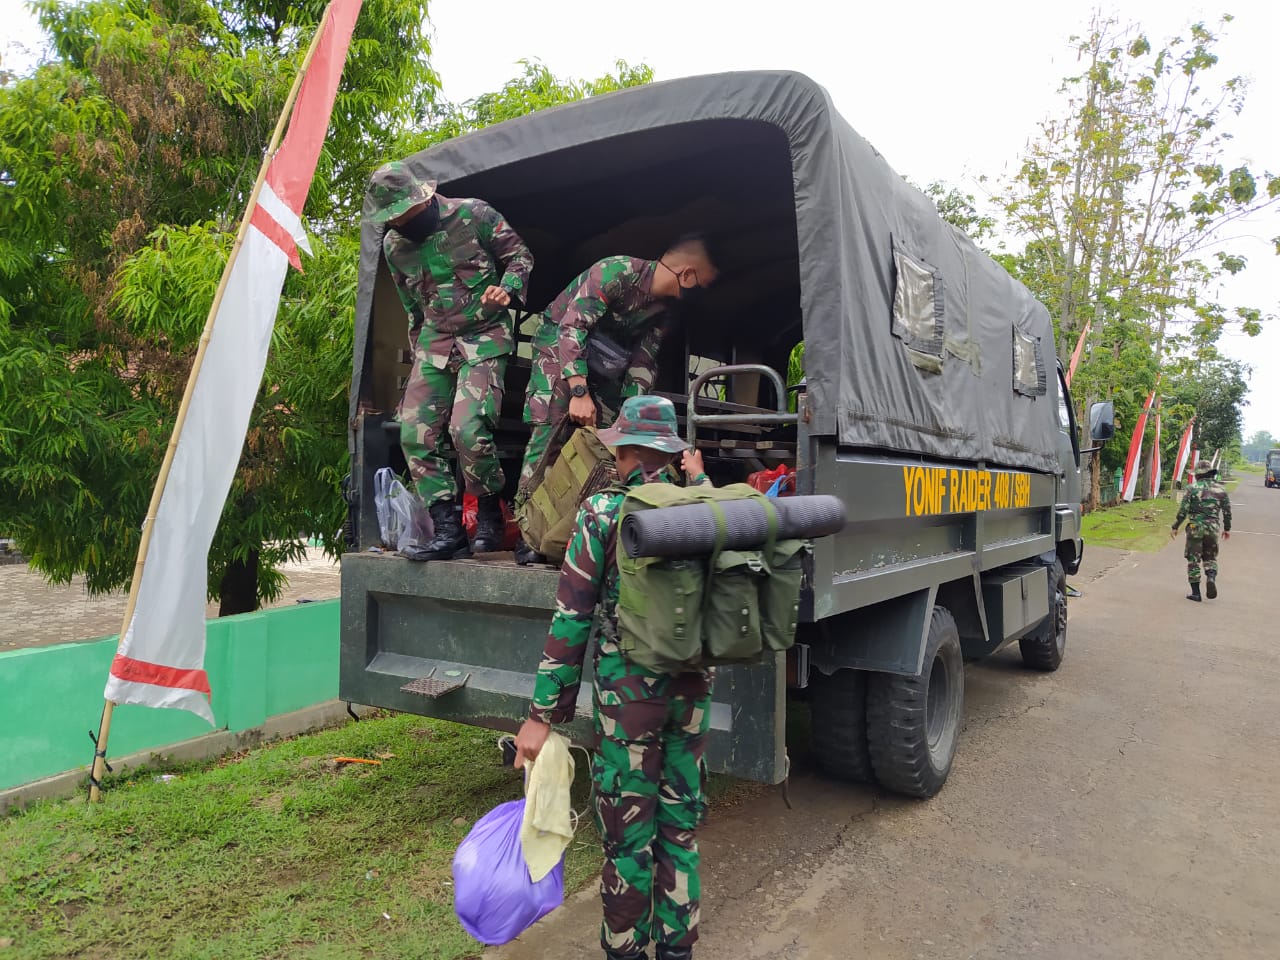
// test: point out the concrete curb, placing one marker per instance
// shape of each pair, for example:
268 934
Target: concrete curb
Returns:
221 742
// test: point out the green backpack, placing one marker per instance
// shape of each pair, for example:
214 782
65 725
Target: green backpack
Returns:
687 613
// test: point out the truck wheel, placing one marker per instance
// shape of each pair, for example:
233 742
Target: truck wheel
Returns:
1043 647
913 722
839 706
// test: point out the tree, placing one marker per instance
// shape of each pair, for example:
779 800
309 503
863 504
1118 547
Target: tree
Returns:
125 164
1123 204
961 210
536 88
1128 196
1214 391
1255 450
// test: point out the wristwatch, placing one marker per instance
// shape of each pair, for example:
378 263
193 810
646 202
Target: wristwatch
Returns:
579 391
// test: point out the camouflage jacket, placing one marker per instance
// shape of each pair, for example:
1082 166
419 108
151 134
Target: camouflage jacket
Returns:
1206 508
587 581
441 279
612 297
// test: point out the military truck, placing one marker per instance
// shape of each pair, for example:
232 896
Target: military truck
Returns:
931 402
1271 476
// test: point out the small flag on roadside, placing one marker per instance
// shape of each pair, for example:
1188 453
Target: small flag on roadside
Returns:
1155 459
1129 488
1184 451
1075 354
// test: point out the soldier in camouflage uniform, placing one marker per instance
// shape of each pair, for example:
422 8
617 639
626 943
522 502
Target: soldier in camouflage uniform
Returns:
1206 508
651 727
457 267
618 306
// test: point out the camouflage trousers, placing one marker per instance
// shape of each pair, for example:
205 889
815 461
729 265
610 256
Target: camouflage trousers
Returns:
463 400
1201 549
647 772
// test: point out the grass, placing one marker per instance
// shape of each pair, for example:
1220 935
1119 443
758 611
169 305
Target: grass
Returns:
274 853
1142 525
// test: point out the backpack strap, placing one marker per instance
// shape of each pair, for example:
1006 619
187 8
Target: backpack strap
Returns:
771 517
722 536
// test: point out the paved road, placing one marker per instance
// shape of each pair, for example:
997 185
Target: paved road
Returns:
34 613
1127 806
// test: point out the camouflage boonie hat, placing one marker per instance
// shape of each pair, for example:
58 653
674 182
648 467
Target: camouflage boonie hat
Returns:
393 190
645 422
1206 469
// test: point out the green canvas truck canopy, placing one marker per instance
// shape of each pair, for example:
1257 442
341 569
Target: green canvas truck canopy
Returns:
917 342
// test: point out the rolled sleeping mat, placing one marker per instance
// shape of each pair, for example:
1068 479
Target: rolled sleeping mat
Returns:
690 530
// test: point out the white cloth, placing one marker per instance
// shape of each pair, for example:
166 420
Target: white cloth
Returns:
547 827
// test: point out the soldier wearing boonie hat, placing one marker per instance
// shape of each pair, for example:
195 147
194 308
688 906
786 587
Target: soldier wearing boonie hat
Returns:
651 727
457 266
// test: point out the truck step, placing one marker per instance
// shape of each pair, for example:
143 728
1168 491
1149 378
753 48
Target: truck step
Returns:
433 688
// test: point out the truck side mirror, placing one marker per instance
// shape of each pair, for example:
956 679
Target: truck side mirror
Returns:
1102 421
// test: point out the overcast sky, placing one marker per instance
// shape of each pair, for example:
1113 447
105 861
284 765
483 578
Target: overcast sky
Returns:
944 90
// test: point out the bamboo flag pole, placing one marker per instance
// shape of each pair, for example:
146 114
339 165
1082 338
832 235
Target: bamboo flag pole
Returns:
104 729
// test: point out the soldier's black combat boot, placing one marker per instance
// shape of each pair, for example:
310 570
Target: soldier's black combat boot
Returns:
1211 589
1195 591
664 952
526 555
619 955
450 540
491 525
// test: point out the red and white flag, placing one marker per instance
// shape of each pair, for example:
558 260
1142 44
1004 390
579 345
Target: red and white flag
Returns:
1129 488
1155 460
1075 354
1184 451
1195 462
160 662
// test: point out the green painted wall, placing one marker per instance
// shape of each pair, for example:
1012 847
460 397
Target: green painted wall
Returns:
259 664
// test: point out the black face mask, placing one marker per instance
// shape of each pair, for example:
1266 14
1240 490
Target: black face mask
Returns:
422 224
688 296
692 295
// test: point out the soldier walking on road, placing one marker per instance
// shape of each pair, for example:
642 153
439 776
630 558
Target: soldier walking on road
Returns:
1207 509
457 267
598 343
651 727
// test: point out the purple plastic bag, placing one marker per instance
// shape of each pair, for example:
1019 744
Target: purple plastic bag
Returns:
492 894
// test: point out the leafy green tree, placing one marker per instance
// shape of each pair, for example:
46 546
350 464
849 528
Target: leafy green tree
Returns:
1255 450
534 89
961 210
1124 205
125 164
1213 390
1127 197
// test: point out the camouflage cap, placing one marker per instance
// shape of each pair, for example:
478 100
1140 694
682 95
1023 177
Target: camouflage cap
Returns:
1206 469
393 190
645 422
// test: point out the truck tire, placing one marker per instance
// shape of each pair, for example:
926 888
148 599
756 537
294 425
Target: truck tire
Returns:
838 704
913 723
1043 647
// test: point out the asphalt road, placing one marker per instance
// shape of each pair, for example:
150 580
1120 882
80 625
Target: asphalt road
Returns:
1127 806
